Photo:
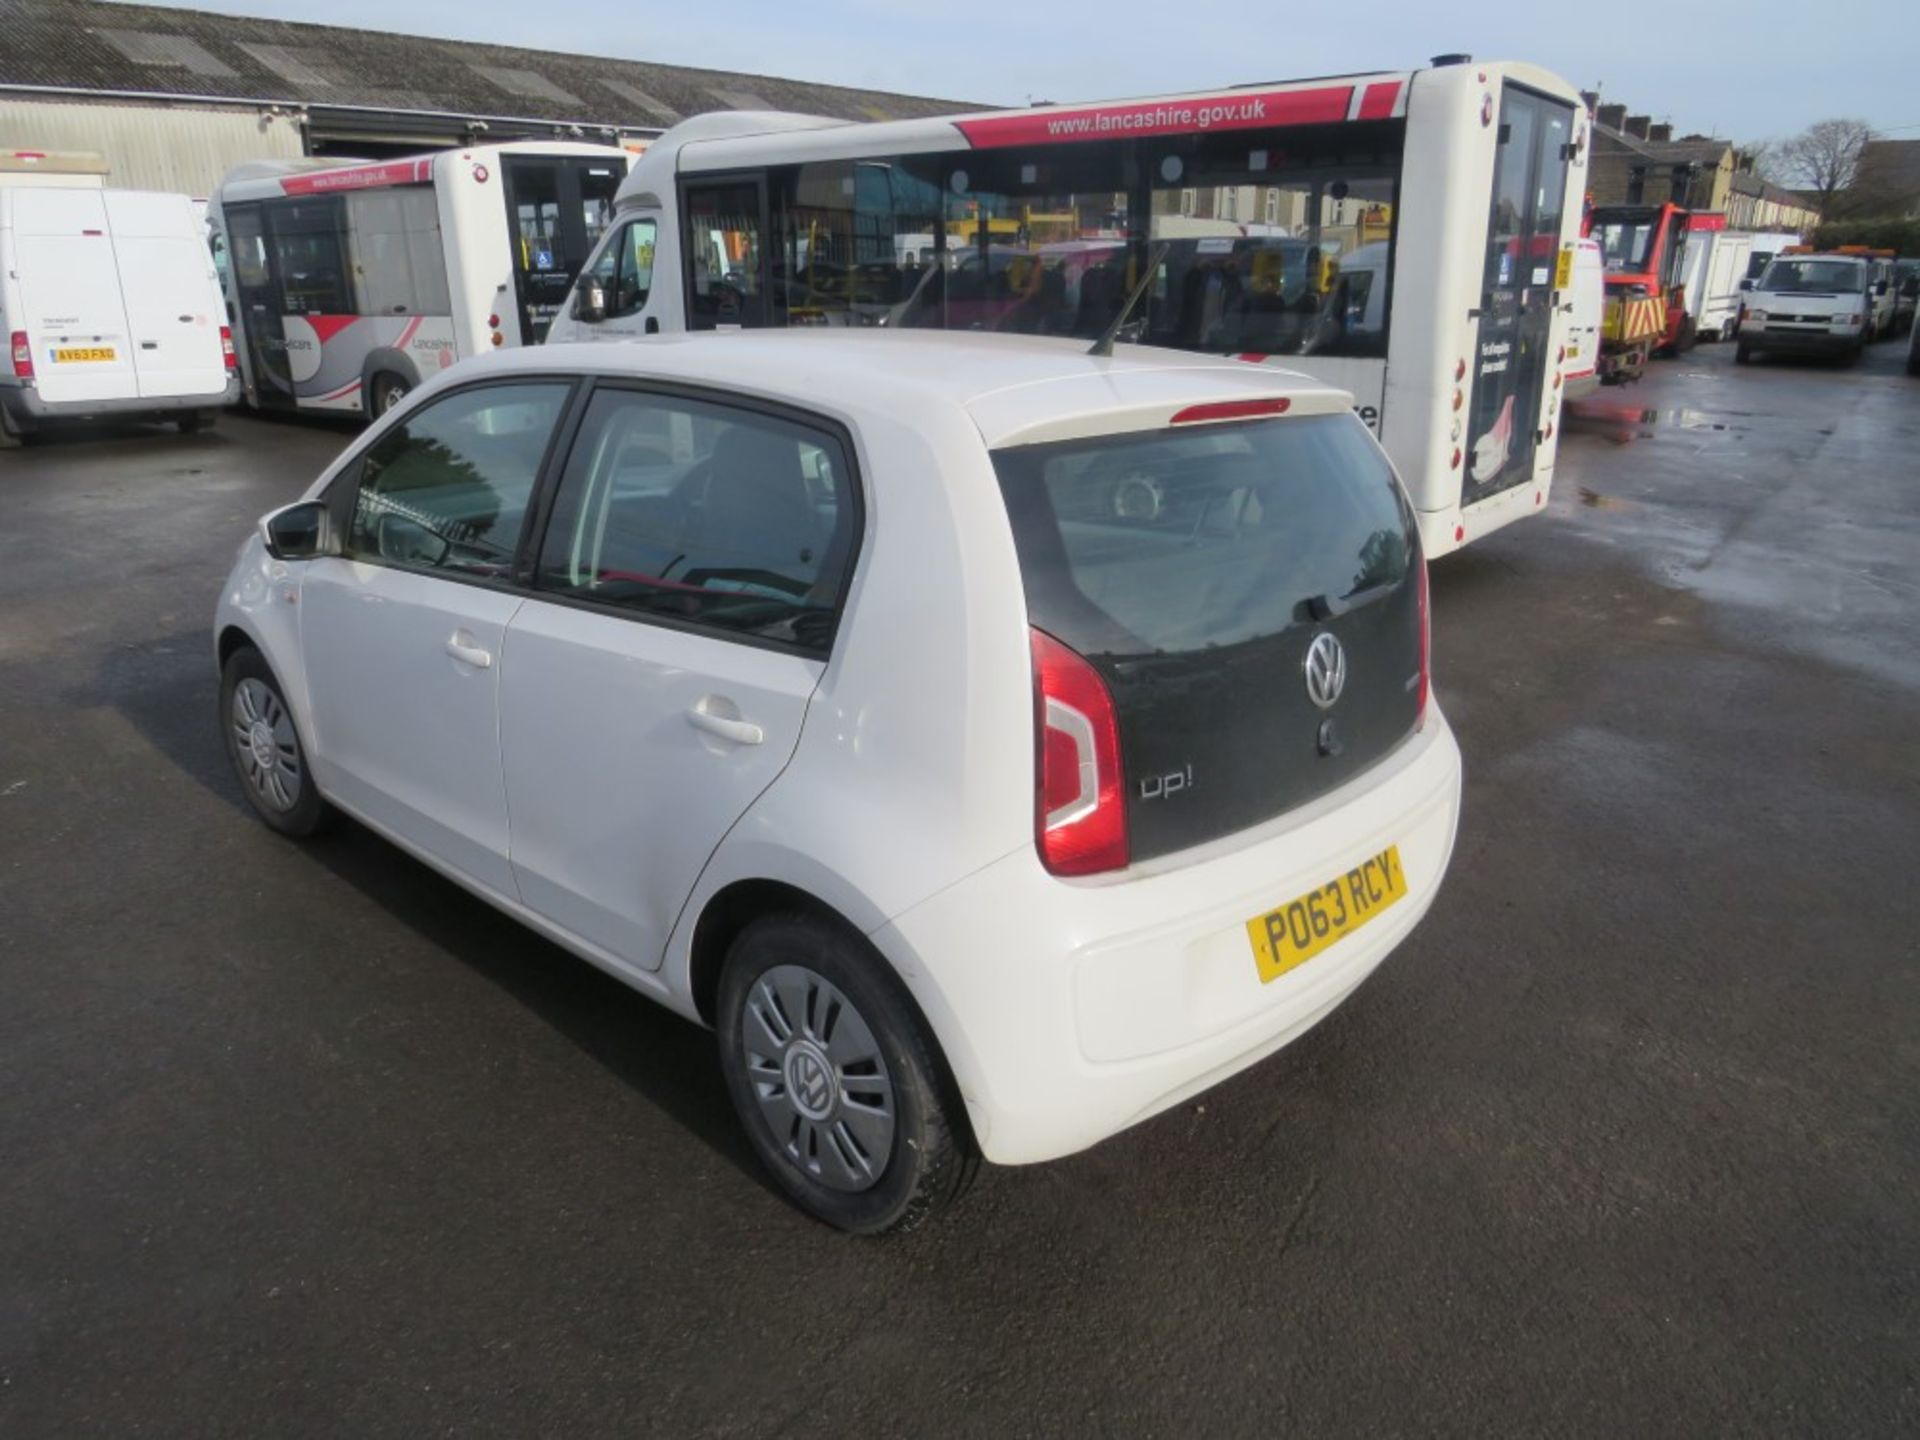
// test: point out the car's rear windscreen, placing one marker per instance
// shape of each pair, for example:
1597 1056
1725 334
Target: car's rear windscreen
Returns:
1193 567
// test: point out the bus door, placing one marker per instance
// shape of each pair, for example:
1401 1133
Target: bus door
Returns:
726 254
262 329
1516 308
557 207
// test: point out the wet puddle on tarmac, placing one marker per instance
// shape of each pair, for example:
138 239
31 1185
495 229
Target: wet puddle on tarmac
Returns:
1622 424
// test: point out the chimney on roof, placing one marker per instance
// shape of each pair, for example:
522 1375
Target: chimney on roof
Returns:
1637 126
1590 99
1660 132
1614 117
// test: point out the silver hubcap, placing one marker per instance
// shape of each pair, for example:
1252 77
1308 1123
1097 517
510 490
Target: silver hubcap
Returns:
391 395
819 1078
265 744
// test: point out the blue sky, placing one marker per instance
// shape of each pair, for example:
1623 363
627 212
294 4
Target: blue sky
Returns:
1747 69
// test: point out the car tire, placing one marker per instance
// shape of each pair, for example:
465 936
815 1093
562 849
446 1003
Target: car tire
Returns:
264 746
194 422
1742 354
386 391
837 1079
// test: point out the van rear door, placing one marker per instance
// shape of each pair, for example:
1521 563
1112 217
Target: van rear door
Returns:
173 310
75 320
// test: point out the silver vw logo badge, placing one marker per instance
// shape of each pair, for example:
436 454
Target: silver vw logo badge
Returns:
1326 670
809 1081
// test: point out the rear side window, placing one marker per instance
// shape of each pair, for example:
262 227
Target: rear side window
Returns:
684 510
1184 540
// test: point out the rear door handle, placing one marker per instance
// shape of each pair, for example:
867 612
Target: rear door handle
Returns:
469 654
727 727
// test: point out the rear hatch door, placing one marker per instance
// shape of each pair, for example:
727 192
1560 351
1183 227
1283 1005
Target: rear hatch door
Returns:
75 319
1211 574
173 309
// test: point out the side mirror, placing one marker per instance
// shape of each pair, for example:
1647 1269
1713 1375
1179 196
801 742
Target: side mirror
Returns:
1746 284
299 532
589 300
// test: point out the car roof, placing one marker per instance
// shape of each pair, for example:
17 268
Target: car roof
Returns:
1017 389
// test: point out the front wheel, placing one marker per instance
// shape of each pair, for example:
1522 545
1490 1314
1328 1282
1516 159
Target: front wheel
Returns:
265 747
836 1078
1743 354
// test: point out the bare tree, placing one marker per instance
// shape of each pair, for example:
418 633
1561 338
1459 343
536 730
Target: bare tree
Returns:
1762 157
1825 158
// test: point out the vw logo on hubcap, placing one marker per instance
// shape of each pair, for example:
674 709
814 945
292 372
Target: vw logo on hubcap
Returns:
809 1080
1326 670
260 741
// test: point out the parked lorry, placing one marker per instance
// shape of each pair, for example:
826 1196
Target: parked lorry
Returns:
111 309
1711 268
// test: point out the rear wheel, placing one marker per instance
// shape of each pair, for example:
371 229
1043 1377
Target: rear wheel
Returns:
388 391
265 747
836 1078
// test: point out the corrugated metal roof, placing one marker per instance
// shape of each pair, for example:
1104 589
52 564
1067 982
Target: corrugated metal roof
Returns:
89 45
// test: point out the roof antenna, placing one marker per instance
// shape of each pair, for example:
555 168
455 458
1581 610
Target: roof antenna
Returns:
1104 345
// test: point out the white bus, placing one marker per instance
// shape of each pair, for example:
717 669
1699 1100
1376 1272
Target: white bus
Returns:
350 283
1407 236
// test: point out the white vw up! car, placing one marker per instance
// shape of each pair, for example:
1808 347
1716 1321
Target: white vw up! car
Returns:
996 744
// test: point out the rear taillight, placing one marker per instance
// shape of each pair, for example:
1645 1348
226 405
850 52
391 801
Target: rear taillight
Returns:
1426 645
22 356
1230 410
226 348
1080 811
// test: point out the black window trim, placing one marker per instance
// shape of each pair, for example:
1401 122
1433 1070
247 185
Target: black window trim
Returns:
541 515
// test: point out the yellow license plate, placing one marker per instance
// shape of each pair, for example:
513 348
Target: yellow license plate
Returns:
1563 270
84 352
1299 930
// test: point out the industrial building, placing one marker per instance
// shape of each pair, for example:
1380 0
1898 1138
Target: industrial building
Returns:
173 99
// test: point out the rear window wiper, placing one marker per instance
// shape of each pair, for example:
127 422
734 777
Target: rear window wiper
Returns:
1327 607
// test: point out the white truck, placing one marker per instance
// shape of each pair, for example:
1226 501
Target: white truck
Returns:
111 310
1712 266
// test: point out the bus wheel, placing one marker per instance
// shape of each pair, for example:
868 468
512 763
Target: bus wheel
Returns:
388 391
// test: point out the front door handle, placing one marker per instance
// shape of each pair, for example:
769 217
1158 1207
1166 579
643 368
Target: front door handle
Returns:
706 716
469 654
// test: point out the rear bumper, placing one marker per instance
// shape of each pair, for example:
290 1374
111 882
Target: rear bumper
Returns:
28 410
1070 1011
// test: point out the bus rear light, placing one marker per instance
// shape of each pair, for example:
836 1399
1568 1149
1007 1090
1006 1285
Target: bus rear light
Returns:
1556 379
1454 464
22 356
480 174
1080 808
1459 371
1459 398
1561 357
227 357
493 322
1230 410
1459 534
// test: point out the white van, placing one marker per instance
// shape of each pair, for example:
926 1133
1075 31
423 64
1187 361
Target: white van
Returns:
110 308
1711 269
1587 303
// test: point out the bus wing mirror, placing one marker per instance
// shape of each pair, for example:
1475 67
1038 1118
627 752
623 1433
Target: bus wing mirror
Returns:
1746 284
589 300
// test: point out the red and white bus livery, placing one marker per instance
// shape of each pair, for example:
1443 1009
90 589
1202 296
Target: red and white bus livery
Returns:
1407 236
349 284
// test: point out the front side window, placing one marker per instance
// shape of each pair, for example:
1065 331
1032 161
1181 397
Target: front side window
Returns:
684 510
624 269
307 256
448 490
